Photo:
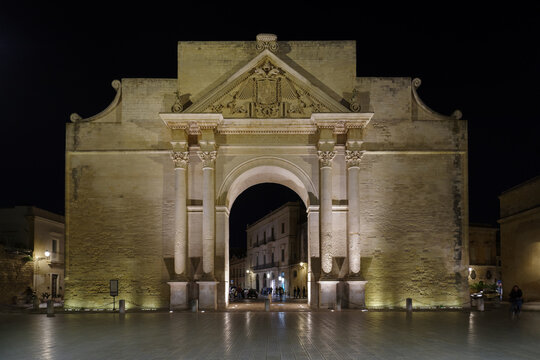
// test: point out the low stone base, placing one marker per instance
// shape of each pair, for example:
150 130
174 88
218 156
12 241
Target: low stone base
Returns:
357 294
207 295
327 294
179 295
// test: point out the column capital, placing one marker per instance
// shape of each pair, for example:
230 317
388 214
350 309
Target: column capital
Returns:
326 157
353 158
180 159
207 158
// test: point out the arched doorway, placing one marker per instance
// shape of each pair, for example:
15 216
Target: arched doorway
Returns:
268 226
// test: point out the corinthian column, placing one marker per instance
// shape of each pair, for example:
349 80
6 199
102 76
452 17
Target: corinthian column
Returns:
353 218
325 160
208 227
181 159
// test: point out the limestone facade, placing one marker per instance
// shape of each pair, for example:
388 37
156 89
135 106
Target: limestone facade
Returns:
484 265
40 234
277 250
520 238
237 272
150 181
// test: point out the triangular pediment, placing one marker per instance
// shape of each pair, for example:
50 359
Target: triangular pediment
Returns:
267 87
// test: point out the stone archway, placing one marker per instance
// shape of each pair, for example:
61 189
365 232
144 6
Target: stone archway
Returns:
318 158
257 171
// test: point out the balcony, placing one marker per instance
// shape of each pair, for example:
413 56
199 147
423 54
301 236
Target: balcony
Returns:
266 266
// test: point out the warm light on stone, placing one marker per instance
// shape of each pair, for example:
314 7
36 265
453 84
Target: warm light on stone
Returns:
150 181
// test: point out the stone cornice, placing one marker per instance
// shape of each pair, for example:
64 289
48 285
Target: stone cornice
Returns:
191 123
194 123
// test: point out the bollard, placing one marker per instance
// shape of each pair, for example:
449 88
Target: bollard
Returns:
122 306
195 305
50 308
266 304
408 305
480 304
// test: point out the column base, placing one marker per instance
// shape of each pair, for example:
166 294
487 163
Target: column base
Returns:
357 294
179 295
207 295
327 293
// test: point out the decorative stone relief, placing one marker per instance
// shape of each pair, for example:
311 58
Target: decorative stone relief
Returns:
353 157
207 158
177 106
354 104
267 41
180 158
267 91
326 157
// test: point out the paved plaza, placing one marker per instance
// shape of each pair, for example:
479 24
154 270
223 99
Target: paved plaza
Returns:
491 334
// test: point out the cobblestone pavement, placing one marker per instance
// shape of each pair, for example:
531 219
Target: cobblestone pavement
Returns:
272 335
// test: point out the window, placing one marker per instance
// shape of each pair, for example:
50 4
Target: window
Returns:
282 254
295 274
54 246
264 236
272 257
265 258
272 234
257 259
282 228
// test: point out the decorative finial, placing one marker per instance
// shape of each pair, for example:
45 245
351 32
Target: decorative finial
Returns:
267 41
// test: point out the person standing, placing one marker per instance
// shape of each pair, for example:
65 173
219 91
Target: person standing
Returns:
500 289
516 299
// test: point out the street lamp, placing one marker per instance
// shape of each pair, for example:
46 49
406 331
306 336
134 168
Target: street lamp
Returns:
47 254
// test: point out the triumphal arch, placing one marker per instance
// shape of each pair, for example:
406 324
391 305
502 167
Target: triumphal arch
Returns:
150 181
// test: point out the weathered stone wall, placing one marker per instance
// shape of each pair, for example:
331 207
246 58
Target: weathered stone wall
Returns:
120 223
520 238
411 225
16 274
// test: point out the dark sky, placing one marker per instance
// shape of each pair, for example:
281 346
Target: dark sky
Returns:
58 60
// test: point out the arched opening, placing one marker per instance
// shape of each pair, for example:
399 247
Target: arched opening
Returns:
268 247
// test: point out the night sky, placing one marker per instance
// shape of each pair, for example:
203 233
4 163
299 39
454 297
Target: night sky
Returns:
58 60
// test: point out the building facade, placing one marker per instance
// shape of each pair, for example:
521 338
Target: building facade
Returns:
33 240
150 180
238 271
484 264
277 250
520 238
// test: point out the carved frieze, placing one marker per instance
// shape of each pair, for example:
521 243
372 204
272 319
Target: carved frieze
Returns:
267 91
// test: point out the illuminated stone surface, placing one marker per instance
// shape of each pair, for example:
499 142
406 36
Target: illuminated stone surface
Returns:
275 335
247 112
520 239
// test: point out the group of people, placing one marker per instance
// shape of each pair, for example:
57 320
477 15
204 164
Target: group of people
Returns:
297 292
